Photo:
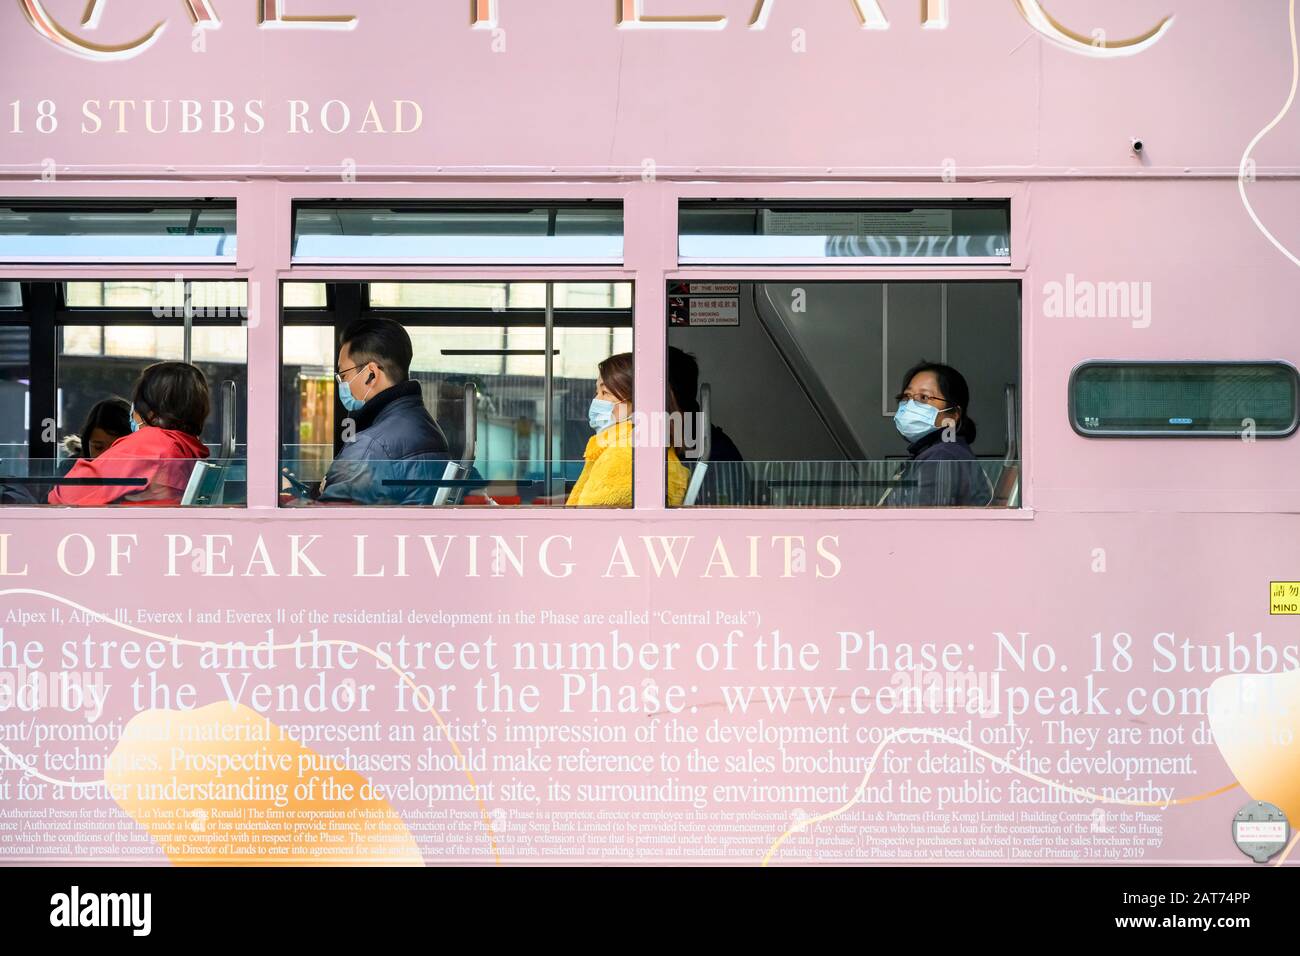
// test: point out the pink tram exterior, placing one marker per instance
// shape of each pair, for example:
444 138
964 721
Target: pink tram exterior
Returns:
1090 209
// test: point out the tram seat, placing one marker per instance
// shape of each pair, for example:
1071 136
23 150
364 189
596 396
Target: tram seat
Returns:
1006 490
206 486
449 495
704 425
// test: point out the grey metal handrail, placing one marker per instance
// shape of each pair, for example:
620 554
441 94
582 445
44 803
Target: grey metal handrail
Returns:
229 394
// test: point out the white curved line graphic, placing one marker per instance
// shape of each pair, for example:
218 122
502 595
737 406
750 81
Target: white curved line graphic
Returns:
1245 157
172 639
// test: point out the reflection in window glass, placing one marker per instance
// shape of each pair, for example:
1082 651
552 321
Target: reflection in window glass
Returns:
160 344
579 352
164 299
156 230
102 361
11 295
307 396
499 295
724 231
443 232
305 295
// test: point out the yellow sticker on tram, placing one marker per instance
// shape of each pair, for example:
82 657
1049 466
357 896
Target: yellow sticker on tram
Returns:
1284 597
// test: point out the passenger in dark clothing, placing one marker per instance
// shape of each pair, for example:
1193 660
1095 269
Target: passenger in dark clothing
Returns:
727 481
933 415
397 450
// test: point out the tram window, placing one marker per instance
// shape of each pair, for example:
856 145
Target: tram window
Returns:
726 231
118 231
305 295
347 231
15 373
1184 399
15 380
72 349
791 393
490 336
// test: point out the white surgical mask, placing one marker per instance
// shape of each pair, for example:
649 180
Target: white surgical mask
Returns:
915 419
601 414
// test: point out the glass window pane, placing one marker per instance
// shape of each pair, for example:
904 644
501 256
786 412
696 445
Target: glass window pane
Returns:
118 231
481 232
1204 399
305 295
578 353
11 295
15 382
722 232
165 299
800 384
307 398
504 359
100 361
99 357
500 296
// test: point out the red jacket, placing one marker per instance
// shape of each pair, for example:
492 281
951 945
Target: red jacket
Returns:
161 456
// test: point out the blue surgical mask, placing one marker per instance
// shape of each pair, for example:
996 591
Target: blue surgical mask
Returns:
915 419
135 424
601 414
350 401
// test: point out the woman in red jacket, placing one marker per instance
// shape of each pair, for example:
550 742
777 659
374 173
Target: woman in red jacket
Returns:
152 465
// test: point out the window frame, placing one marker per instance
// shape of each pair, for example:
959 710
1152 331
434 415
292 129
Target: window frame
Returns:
1072 404
650 260
485 204
45 316
100 202
359 307
931 270
849 204
888 388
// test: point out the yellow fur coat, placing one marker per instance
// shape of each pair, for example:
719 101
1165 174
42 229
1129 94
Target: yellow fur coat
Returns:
606 479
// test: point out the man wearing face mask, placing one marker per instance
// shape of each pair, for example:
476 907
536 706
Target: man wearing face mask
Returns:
396 447
934 416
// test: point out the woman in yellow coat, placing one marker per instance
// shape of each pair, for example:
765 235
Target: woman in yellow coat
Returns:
606 479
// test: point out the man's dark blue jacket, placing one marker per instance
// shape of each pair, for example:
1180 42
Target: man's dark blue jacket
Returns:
397 450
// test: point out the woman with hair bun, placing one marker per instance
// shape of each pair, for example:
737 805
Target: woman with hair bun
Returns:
934 416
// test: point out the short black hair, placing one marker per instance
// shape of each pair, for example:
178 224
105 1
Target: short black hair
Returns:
113 415
173 395
383 342
953 385
684 378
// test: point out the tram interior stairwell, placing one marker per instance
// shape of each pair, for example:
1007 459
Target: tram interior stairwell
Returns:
805 383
